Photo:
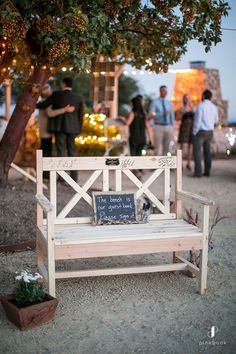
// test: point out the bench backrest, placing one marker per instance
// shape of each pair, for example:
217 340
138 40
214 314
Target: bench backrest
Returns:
111 171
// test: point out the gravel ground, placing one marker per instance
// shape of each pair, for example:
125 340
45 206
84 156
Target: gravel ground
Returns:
148 313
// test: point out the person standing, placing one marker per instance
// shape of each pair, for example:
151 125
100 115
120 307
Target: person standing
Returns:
206 117
68 125
137 122
186 115
161 110
43 124
138 125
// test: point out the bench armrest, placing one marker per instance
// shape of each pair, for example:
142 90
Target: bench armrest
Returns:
194 197
44 202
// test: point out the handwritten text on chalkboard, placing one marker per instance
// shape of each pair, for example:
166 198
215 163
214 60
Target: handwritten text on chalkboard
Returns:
114 207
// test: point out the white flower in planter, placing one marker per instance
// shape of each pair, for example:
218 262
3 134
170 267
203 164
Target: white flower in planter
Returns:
28 277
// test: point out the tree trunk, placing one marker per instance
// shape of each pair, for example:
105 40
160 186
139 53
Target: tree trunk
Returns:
16 125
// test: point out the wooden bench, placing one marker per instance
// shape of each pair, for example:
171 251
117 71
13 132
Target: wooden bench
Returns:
60 237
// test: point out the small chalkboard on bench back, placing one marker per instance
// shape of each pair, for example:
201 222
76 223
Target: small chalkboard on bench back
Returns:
114 208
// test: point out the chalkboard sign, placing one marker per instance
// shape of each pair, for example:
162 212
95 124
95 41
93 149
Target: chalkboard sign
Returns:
114 208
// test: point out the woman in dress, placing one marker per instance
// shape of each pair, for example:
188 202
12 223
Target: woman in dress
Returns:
186 114
138 124
138 127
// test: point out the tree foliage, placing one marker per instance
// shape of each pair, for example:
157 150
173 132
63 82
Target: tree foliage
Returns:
152 34
38 37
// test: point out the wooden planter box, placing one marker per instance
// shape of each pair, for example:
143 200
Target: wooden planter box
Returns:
30 316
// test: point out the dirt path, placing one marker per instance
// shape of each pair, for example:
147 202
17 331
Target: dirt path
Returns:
151 313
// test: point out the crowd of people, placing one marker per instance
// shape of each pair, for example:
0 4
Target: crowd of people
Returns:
195 132
61 115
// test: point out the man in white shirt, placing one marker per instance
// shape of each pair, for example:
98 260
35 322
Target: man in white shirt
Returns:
206 117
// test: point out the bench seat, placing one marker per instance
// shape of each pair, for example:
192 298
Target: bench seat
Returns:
85 233
85 241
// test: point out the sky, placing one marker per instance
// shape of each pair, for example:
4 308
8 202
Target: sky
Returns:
221 57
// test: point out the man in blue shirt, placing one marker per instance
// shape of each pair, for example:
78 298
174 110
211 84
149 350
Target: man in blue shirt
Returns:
206 117
162 113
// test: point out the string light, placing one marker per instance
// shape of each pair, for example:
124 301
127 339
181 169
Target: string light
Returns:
149 62
96 136
149 72
176 71
64 68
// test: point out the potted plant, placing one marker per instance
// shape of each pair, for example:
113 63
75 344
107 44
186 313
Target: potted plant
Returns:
29 306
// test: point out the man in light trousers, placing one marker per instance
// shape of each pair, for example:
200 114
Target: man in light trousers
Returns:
162 113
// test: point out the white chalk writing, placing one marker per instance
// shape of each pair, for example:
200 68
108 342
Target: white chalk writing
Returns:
166 162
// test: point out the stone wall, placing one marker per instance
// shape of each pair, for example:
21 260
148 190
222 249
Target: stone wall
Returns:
213 84
194 82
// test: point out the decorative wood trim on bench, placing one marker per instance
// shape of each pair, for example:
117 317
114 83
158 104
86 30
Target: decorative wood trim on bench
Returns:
121 170
121 248
44 202
190 266
97 163
124 270
197 198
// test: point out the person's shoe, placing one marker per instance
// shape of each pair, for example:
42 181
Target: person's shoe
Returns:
194 175
188 167
206 174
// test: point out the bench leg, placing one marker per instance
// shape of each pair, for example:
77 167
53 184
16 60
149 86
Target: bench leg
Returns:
39 253
40 256
51 284
51 279
175 254
203 272
204 252
51 272
175 260
51 253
